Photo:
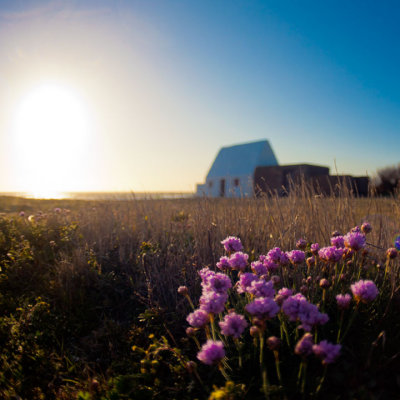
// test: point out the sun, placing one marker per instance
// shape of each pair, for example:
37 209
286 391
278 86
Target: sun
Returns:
51 135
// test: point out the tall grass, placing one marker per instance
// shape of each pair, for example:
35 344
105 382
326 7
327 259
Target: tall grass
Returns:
100 276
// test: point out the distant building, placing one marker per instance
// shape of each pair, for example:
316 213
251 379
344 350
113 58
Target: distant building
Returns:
232 172
251 169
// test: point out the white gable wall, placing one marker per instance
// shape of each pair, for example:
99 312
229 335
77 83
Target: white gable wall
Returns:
235 186
236 164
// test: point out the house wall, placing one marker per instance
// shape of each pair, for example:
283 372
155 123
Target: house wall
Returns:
212 187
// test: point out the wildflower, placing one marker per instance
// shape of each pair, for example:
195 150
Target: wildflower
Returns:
218 282
314 248
212 352
337 241
238 261
298 308
343 301
183 290
261 288
284 260
304 346
296 256
330 254
328 352
263 307
233 325
278 256
336 233
232 244
213 302
354 240
282 295
258 268
301 244
205 273
245 281
270 265
223 263
57 210
391 253
366 228
22 213
364 291
198 318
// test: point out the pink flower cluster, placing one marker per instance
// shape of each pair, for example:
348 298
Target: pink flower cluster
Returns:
212 352
327 352
364 291
343 301
232 244
263 308
355 240
233 325
298 308
296 256
331 254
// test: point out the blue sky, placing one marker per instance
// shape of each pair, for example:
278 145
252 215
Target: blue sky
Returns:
170 82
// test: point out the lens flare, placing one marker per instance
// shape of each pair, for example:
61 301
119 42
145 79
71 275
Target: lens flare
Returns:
397 242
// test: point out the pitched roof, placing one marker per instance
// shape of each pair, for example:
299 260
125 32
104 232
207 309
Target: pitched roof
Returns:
242 159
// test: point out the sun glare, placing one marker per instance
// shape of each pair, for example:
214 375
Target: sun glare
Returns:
51 137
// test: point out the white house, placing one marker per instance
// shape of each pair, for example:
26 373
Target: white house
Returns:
232 172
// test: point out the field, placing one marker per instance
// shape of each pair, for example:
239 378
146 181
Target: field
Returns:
90 309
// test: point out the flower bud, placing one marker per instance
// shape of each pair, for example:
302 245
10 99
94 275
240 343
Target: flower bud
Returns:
391 253
324 283
366 228
310 261
191 366
301 244
254 331
183 290
273 343
190 331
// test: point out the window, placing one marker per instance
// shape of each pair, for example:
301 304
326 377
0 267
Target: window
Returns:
236 182
210 184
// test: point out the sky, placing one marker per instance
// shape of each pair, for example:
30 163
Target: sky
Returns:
142 94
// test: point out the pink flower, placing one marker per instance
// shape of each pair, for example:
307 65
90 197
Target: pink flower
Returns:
198 318
296 256
232 244
330 254
213 302
343 301
212 352
305 345
337 241
355 240
328 352
263 307
223 263
233 325
364 291
238 261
